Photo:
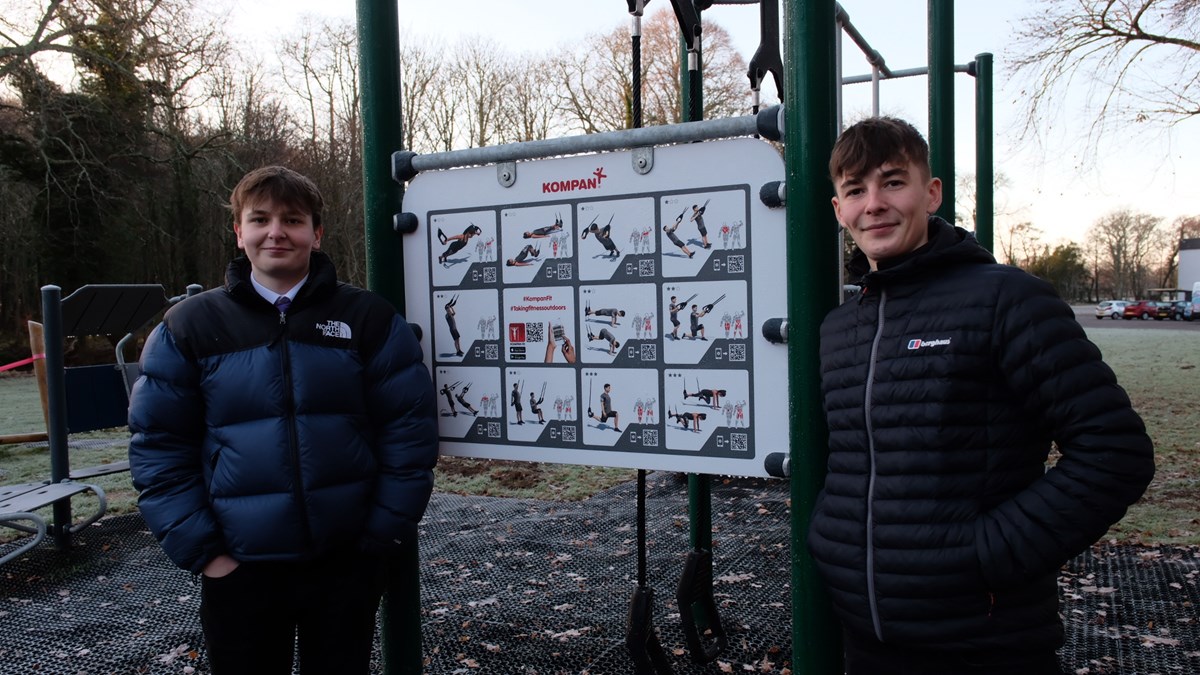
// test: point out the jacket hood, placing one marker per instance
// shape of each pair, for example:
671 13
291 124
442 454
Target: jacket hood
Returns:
948 246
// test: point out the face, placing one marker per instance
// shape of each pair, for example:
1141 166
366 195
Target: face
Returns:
278 240
886 211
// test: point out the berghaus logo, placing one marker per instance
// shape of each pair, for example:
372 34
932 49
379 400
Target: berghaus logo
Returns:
922 344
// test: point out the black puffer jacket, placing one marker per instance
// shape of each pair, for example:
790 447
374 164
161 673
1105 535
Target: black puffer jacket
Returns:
944 384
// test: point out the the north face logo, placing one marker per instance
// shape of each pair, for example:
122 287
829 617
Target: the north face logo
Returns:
334 329
921 344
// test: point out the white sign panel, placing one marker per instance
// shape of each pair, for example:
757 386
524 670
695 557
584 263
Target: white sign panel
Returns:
589 314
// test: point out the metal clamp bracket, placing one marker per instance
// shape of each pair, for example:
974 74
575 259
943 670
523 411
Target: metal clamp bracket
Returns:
643 160
506 174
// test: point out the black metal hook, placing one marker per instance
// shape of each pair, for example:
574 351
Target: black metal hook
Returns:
688 15
767 59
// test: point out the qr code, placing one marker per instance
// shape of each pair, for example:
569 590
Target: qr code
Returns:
493 430
650 438
568 433
566 270
739 442
735 264
535 332
649 352
491 352
737 351
489 275
646 268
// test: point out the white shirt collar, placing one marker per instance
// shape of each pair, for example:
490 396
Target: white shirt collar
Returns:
273 297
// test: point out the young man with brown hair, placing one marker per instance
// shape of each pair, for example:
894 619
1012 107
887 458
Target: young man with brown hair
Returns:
946 381
284 442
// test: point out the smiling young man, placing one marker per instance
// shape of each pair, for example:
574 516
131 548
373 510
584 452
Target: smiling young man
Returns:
284 442
940 531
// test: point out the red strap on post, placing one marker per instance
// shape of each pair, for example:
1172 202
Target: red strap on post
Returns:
22 362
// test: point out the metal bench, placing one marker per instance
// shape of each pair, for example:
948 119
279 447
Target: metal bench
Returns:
18 503
79 399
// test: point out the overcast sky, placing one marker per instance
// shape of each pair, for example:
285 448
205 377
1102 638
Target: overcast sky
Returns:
1056 185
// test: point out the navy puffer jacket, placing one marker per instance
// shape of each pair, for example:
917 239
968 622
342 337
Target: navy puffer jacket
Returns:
945 382
273 438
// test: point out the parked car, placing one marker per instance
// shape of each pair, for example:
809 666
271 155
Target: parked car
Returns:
1181 310
1142 309
1110 309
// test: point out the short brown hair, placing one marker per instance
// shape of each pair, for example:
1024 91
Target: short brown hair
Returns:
874 142
281 185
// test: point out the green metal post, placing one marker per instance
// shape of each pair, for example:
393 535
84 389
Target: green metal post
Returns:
379 82
985 172
941 100
810 34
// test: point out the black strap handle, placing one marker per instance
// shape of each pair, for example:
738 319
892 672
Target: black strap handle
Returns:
640 637
695 598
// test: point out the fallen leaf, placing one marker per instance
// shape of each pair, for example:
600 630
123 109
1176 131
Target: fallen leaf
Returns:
1153 640
735 578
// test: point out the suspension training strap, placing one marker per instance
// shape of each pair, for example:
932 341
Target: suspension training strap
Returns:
641 639
697 605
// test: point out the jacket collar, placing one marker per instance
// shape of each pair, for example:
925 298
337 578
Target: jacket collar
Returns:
948 246
322 280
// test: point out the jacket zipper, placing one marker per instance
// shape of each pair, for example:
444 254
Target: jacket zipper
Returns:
874 603
293 435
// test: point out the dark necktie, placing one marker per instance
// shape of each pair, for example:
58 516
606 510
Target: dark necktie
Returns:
283 303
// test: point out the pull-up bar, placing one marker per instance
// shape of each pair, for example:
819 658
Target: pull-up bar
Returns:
874 58
768 123
968 68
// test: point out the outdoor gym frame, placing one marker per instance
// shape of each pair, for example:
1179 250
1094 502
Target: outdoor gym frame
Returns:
811 116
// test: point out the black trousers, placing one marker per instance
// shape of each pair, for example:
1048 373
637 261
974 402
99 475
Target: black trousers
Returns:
253 616
866 656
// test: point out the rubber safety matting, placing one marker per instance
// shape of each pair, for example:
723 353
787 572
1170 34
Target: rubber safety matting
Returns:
532 587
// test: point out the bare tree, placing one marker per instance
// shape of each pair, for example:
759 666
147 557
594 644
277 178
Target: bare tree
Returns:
297 54
478 75
1184 227
597 82
529 110
421 68
1019 243
1128 243
1137 60
964 199
320 66
441 119
110 148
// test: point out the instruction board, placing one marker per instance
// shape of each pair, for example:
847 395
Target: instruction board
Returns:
591 314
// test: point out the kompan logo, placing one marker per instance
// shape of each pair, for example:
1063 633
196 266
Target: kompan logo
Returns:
334 329
921 344
575 183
